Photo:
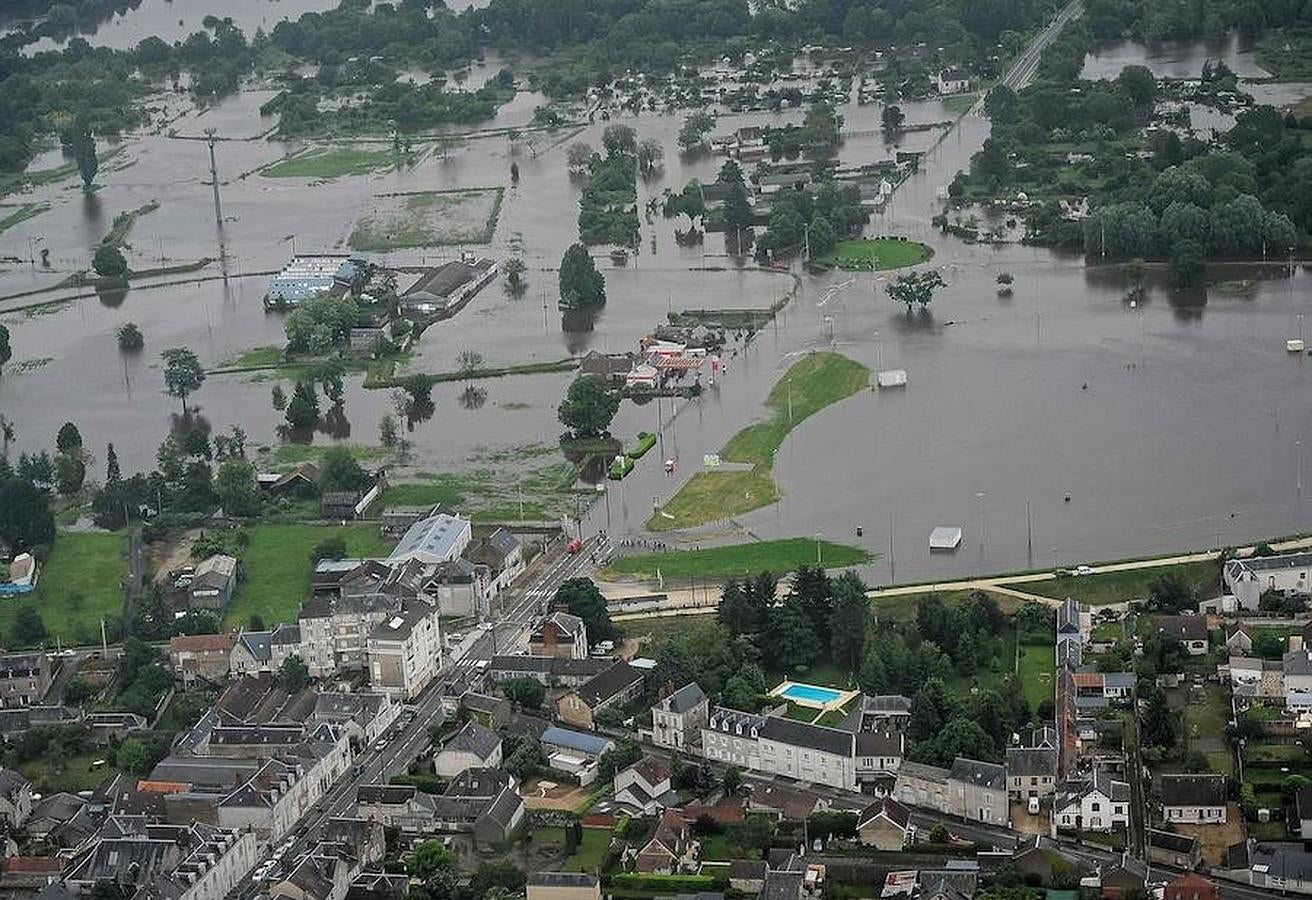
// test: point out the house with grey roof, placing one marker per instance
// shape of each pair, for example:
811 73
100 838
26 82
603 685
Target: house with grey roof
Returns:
1194 799
474 746
980 790
645 786
442 290
1180 851
364 715
394 521
617 686
879 755
503 554
560 634
1285 573
1098 803
732 737
401 806
552 671
678 717
24 678
482 802
213 583
885 825
1031 772
1074 622
494 712
1191 631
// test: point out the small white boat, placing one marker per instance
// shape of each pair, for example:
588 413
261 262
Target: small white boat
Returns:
892 378
1294 345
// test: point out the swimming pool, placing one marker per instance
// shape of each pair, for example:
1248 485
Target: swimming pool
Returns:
809 694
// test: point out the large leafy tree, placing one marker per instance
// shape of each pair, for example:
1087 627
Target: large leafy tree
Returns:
918 287
25 517
582 598
581 285
183 374
236 487
589 406
848 621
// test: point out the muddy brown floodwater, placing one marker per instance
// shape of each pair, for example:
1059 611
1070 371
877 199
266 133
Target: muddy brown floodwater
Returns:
1171 425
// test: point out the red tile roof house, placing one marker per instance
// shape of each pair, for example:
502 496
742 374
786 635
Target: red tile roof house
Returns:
1190 887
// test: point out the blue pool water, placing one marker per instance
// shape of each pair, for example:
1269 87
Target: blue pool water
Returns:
810 693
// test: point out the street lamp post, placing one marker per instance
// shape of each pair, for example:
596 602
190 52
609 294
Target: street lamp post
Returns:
818 536
979 507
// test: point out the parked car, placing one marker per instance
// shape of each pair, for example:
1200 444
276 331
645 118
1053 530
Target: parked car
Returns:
1084 570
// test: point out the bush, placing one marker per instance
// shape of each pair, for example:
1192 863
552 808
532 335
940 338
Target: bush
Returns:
646 440
667 884
622 466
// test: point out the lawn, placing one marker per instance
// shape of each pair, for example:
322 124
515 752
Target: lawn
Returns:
741 559
812 383
587 856
82 581
959 103
330 162
1036 672
276 567
878 254
49 776
1117 587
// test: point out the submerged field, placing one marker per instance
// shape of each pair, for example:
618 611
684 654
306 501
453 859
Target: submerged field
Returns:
428 219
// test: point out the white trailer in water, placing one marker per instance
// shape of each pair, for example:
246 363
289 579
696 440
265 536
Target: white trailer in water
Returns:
945 538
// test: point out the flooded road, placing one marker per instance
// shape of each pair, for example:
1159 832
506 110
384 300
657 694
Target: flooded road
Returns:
1159 421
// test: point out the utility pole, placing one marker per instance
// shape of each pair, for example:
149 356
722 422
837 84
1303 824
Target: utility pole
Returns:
104 641
210 138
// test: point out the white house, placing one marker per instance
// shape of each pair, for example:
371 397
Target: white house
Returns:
953 81
436 539
879 754
677 719
1194 799
645 786
1297 669
1031 772
1248 579
1190 630
1099 804
473 747
15 799
503 554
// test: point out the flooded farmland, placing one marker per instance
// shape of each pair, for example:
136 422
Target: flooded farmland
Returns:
1172 424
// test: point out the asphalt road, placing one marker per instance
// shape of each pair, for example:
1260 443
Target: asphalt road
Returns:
520 610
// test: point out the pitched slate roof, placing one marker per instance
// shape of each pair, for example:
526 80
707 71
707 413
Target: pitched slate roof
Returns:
1186 628
984 774
682 700
475 739
814 737
562 879
1029 761
1193 790
880 743
605 685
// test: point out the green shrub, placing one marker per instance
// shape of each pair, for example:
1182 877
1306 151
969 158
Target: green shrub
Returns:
646 440
668 884
622 466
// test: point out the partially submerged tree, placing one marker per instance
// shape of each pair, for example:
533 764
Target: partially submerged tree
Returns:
183 374
589 407
581 285
130 338
918 287
109 262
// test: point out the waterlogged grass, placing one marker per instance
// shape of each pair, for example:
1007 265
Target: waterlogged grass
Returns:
123 222
277 568
428 219
81 582
21 213
811 384
876 255
499 486
741 559
331 162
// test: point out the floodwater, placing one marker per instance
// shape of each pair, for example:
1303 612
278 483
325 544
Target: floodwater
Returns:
1159 422
174 20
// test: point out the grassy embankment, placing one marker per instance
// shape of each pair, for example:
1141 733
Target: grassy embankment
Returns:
1117 587
80 582
740 559
813 382
21 213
